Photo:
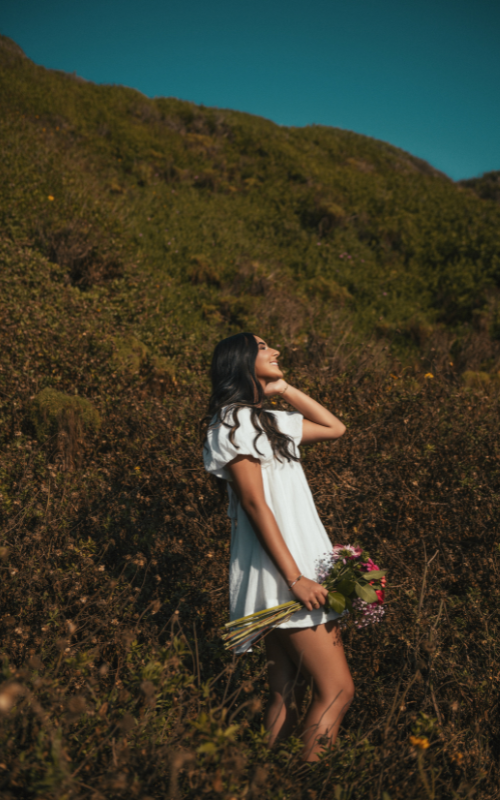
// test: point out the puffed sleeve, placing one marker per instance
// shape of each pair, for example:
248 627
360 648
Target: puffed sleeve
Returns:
290 422
219 450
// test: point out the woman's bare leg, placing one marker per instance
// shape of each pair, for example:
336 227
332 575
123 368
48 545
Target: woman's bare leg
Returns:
287 688
320 654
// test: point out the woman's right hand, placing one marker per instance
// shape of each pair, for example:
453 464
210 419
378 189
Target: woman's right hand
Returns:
312 594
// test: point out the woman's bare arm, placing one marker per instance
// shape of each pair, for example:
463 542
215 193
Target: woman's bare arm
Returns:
246 477
319 424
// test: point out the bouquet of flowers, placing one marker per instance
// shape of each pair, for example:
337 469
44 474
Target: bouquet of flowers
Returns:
355 585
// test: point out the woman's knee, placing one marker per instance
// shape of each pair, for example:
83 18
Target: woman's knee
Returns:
286 697
342 694
349 691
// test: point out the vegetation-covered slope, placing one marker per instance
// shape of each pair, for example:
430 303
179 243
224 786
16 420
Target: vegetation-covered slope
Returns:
134 234
487 186
229 209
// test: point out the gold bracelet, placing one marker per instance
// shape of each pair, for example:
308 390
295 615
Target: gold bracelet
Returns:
283 390
294 582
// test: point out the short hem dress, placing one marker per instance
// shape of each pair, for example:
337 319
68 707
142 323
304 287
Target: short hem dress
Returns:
255 583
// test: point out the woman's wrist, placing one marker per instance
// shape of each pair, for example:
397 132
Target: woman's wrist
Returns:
292 584
290 572
288 393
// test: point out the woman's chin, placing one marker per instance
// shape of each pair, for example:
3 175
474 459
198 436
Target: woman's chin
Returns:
271 377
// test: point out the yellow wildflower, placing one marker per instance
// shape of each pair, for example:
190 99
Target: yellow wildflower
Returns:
421 742
428 375
50 197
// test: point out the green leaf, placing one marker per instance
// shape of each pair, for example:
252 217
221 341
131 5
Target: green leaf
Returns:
209 748
336 601
375 575
349 605
345 586
366 593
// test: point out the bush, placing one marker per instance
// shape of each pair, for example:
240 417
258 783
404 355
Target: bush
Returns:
129 355
63 420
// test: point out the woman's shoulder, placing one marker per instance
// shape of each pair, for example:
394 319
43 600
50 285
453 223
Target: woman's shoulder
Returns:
289 422
231 415
232 433
234 421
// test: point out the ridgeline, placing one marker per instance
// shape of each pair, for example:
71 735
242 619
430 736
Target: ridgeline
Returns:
134 234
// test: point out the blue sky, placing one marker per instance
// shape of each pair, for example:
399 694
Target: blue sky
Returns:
424 76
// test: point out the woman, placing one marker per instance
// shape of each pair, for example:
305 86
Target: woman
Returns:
277 536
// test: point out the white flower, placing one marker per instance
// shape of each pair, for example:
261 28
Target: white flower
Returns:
341 549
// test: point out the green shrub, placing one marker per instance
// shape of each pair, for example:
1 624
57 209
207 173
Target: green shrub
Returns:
162 376
476 380
63 420
129 354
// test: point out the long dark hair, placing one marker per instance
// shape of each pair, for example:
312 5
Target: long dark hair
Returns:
235 386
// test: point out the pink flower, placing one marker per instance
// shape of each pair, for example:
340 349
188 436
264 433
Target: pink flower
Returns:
343 552
381 596
339 548
370 566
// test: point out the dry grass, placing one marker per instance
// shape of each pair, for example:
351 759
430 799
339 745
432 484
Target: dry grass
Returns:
114 586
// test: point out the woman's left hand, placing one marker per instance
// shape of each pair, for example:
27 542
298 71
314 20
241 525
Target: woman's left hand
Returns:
275 387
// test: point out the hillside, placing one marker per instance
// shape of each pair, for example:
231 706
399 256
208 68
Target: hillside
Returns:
134 234
244 219
486 186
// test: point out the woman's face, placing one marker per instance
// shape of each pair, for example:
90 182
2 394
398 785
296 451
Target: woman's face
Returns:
266 364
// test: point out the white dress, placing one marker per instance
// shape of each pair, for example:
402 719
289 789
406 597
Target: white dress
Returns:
255 582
